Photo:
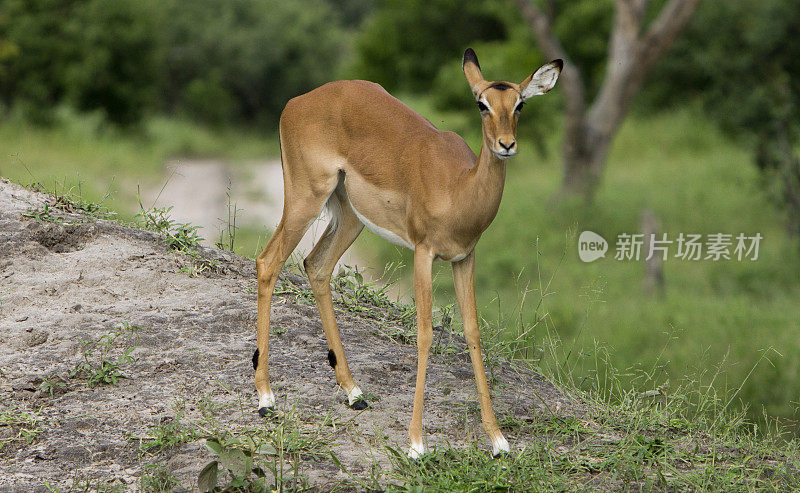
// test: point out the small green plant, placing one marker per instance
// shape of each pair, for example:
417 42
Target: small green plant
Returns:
94 485
67 202
168 433
300 294
360 296
44 214
157 479
471 469
99 366
267 458
370 397
181 237
25 426
178 236
234 458
52 385
227 236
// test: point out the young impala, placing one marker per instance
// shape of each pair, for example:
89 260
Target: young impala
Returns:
370 160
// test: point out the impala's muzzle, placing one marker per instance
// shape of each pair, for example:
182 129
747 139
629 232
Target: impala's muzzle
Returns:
505 147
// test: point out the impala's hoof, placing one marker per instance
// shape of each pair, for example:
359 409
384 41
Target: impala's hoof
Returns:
266 412
355 399
500 447
417 450
359 404
502 455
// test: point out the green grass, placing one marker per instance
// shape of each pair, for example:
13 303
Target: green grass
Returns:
25 426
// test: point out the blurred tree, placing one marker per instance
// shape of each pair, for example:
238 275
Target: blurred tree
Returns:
243 59
118 66
747 74
352 12
38 44
633 49
96 54
219 62
405 42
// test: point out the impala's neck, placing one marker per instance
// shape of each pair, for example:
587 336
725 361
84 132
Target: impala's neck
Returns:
484 185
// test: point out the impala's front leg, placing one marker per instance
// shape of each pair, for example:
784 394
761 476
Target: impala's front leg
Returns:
464 280
423 260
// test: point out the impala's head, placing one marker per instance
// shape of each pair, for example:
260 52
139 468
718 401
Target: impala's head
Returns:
501 102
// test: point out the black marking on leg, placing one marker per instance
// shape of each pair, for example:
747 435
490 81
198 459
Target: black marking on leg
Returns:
266 412
332 358
502 455
359 404
255 360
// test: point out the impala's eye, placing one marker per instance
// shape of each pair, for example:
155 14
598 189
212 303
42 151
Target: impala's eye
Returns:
519 107
482 106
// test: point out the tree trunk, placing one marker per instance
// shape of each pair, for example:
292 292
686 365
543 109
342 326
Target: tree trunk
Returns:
589 132
586 146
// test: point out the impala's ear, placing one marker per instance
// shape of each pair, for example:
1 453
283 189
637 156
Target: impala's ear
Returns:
472 70
542 80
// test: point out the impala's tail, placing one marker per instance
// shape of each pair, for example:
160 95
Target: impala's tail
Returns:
334 207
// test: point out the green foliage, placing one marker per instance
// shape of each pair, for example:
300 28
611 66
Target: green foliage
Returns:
38 48
746 73
167 433
178 236
96 54
584 27
52 385
387 54
237 462
243 60
118 67
403 44
66 202
265 459
219 62
748 77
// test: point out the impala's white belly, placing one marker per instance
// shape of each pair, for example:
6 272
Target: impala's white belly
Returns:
382 232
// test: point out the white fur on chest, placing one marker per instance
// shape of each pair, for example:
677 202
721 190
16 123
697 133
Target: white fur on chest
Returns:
382 232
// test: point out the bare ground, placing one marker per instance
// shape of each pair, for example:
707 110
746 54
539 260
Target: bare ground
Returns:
60 284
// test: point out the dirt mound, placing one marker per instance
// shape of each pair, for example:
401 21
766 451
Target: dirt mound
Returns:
86 303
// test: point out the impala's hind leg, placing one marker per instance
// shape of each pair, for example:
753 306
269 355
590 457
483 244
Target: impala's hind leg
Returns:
298 213
340 234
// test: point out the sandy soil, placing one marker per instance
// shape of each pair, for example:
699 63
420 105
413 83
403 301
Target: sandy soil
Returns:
60 284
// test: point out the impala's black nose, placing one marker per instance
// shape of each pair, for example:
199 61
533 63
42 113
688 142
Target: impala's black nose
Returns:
505 146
